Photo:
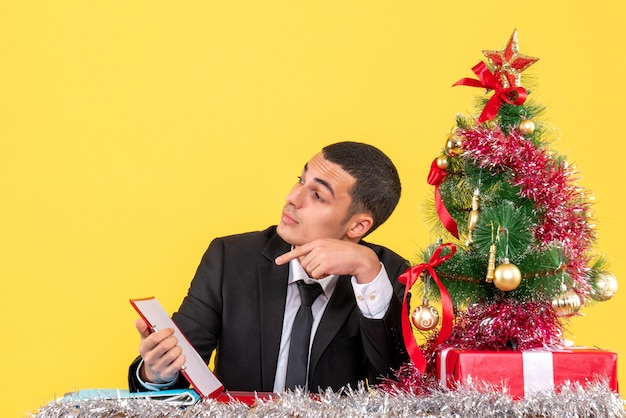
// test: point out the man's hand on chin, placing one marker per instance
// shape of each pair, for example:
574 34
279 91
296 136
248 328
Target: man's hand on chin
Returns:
325 256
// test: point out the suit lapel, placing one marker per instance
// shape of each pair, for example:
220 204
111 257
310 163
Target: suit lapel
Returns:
339 307
272 294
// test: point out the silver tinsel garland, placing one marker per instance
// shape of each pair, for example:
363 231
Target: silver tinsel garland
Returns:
467 401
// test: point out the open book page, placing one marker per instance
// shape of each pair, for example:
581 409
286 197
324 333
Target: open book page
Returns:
195 370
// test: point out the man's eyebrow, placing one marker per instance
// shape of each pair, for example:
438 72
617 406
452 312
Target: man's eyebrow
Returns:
321 181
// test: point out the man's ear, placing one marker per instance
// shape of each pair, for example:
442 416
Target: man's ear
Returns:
360 225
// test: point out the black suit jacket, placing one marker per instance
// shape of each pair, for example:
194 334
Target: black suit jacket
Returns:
235 307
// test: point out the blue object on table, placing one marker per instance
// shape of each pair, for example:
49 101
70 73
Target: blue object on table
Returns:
181 397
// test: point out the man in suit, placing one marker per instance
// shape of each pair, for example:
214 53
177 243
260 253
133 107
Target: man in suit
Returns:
243 300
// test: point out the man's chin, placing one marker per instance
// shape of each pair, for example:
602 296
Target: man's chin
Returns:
280 230
286 233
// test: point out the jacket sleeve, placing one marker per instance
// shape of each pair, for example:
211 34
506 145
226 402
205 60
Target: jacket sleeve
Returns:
382 338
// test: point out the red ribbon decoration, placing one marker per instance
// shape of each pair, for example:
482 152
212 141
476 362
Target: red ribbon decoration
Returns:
409 277
486 79
436 176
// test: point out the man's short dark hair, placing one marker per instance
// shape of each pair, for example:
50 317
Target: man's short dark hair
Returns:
377 187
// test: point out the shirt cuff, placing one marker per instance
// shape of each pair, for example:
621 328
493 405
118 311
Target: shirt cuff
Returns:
373 298
153 386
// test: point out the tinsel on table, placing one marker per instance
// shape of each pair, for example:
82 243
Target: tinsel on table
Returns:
468 400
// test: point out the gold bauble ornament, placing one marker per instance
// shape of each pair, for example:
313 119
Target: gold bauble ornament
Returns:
604 286
507 276
442 162
425 317
454 144
567 304
526 127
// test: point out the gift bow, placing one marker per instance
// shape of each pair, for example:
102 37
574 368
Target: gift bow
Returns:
436 176
486 79
408 278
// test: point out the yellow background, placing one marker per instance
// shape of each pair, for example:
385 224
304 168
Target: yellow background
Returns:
133 132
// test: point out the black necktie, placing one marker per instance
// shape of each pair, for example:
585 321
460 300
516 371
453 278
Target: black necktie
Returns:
301 336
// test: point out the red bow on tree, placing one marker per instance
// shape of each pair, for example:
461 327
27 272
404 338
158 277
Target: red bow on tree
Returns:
513 95
436 176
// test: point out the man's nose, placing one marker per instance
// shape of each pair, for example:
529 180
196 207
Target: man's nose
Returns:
295 196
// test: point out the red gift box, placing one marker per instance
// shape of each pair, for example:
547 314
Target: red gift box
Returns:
522 373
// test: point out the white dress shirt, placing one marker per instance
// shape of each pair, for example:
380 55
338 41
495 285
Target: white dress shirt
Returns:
372 298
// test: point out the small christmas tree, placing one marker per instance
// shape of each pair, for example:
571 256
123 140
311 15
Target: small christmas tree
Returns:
521 226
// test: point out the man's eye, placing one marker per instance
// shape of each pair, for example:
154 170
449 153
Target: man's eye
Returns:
318 197
300 180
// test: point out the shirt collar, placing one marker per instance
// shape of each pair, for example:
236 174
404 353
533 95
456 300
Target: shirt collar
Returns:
296 272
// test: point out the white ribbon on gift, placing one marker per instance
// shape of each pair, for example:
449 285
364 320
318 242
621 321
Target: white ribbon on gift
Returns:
538 371
442 368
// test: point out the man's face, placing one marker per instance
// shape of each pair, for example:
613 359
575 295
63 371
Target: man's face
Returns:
317 204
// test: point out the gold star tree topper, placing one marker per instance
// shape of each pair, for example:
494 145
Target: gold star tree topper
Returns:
508 63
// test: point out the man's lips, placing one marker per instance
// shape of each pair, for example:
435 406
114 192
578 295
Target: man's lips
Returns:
288 218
